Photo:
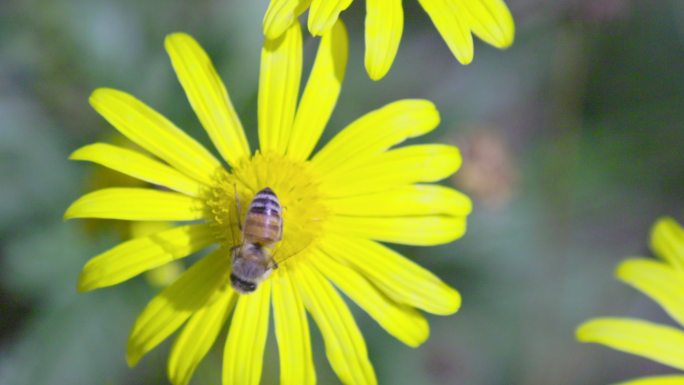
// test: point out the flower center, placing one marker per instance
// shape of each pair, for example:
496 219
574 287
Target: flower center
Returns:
294 185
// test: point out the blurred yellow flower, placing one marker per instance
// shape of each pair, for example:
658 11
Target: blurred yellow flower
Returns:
338 204
455 20
663 281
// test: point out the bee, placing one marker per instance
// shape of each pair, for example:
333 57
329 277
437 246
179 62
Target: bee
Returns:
262 229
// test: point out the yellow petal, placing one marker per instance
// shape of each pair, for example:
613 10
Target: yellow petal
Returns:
420 231
404 201
656 380
138 255
197 337
324 13
320 93
402 321
162 276
392 169
344 344
452 23
490 20
661 282
667 241
175 304
384 25
244 350
136 204
281 14
137 165
208 96
377 131
659 343
143 229
156 134
292 332
279 77
399 278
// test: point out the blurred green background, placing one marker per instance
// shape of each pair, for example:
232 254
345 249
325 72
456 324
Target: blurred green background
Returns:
572 141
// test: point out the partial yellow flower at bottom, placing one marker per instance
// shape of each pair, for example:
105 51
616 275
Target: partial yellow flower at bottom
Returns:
338 205
456 21
663 281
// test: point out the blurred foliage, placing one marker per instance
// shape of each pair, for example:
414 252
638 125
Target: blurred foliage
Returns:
572 144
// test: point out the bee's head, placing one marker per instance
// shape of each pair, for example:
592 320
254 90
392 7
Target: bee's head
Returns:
242 286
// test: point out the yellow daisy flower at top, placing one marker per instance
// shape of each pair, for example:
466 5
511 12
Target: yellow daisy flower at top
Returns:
455 20
337 206
663 281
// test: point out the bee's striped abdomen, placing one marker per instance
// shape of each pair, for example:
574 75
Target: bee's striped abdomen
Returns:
264 221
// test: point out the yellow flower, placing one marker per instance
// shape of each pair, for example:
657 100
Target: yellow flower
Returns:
338 205
455 20
663 281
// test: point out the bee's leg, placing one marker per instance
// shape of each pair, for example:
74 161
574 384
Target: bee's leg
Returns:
273 264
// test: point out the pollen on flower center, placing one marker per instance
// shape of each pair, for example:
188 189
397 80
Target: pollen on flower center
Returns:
293 183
